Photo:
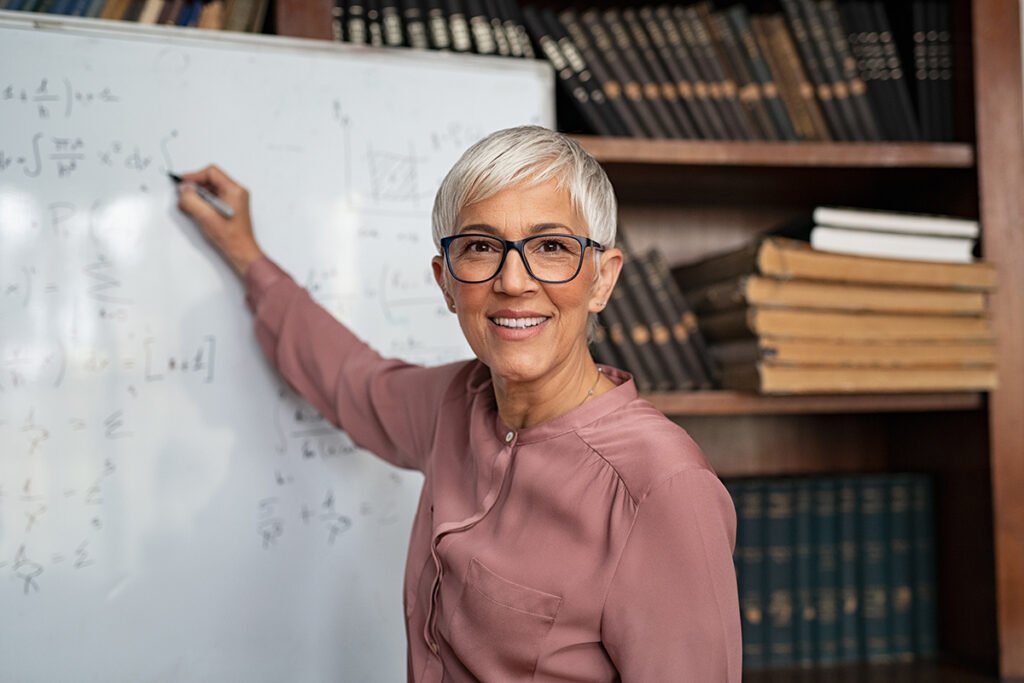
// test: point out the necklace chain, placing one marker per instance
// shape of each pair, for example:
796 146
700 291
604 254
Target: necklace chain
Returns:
600 372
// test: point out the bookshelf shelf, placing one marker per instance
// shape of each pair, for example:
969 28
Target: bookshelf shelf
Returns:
779 154
920 672
679 404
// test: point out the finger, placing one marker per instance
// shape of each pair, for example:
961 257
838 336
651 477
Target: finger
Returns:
195 206
213 178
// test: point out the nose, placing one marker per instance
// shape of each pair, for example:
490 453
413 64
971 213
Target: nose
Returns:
514 279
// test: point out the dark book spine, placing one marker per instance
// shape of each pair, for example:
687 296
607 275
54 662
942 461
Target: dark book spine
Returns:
849 596
750 574
822 47
568 79
944 83
878 19
458 26
618 332
480 28
649 86
601 347
355 22
609 120
631 87
391 23
806 619
515 14
415 24
779 571
922 81
630 123
494 13
693 86
874 558
871 66
925 609
437 26
734 60
662 77
848 69
822 87
826 549
640 336
707 83
684 328
761 72
642 298
508 22
901 580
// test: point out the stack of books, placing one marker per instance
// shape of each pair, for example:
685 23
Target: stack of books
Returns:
229 15
649 330
835 570
784 317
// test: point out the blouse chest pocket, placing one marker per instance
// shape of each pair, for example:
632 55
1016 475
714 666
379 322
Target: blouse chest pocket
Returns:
499 626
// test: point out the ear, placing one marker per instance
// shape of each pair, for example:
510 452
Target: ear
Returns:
437 265
609 268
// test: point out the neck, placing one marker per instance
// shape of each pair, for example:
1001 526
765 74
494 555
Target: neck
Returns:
525 404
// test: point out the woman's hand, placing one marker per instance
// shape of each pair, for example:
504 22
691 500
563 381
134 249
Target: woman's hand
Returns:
233 237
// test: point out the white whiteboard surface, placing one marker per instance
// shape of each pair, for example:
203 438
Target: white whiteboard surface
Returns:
168 511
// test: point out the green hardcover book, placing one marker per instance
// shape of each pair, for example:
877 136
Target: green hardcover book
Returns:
925 623
874 558
849 600
805 616
748 497
901 587
780 534
826 548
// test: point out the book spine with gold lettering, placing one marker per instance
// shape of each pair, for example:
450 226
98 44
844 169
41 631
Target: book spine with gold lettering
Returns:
781 45
805 614
823 88
640 336
642 298
847 65
873 560
779 571
623 72
748 497
901 579
826 571
601 347
849 596
619 333
685 327
603 74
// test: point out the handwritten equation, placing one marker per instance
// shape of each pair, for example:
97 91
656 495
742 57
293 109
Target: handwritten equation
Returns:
49 98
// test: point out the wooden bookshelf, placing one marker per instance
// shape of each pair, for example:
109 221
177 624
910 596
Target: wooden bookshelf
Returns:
922 672
779 154
679 404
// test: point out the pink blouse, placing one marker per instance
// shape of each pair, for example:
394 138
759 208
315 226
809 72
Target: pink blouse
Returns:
596 546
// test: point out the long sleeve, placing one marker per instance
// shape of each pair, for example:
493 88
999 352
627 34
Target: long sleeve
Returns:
387 406
672 610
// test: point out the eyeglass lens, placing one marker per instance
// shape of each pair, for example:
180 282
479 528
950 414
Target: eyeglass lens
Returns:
477 258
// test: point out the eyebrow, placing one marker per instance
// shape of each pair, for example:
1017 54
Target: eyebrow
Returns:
539 227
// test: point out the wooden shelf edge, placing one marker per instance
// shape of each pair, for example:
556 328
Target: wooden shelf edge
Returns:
919 672
741 403
779 154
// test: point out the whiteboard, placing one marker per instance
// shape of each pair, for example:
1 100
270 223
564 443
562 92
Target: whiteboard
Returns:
169 510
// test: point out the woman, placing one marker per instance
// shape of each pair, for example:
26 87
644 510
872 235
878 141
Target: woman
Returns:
567 531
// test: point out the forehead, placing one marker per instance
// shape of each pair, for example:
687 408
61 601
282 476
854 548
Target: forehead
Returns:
519 208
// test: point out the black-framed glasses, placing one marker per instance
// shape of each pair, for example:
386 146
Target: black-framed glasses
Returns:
549 258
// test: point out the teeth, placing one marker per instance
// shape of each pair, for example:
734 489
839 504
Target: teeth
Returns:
518 322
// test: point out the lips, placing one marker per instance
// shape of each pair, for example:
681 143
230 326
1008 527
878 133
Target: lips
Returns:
515 325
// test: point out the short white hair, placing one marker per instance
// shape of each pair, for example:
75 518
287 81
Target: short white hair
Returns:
530 155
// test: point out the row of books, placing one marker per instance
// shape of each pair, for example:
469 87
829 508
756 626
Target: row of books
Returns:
818 70
487 27
229 15
835 569
783 317
649 329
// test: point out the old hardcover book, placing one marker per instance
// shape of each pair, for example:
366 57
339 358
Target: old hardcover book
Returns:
805 613
873 506
780 559
750 290
848 545
495 13
847 65
826 570
437 25
831 70
892 245
842 326
900 571
458 26
925 603
783 258
790 70
415 24
480 28
767 378
629 121
869 354
619 334
391 23
695 83
748 496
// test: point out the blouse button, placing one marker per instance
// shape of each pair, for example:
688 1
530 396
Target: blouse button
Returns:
509 437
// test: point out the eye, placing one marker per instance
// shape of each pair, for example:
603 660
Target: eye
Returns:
552 246
480 247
